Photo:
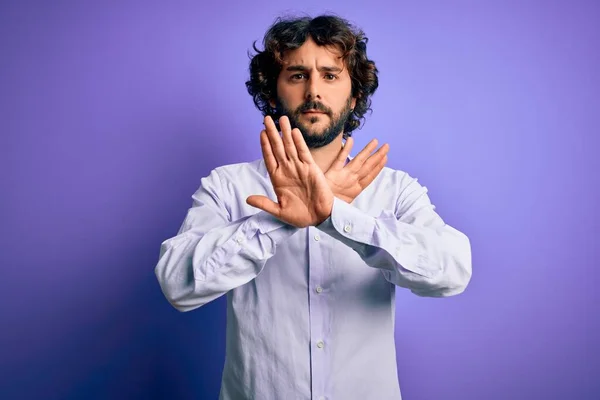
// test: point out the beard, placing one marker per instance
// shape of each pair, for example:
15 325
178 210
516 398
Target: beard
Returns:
312 138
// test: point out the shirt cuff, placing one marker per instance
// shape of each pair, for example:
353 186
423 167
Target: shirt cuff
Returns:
349 221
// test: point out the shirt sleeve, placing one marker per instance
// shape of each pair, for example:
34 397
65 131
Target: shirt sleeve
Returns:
411 245
211 254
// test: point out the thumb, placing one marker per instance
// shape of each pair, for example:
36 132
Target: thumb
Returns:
264 203
340 160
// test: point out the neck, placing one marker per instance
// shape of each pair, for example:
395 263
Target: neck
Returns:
326 155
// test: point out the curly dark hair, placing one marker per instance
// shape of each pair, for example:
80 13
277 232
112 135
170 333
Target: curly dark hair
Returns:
325 30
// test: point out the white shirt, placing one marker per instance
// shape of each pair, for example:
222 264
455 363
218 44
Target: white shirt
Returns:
310 312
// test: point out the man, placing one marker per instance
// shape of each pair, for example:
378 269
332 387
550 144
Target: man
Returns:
309 243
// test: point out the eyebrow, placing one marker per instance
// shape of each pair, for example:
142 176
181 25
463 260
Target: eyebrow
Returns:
321 69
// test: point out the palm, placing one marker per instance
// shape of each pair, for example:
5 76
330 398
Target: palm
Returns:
303 194
344 183
302 197
348 180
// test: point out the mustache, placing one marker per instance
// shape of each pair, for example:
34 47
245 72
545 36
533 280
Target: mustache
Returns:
313 105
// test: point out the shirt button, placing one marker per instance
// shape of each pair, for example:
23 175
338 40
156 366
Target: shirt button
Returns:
347 228
239 239
320 344
319 289
317 238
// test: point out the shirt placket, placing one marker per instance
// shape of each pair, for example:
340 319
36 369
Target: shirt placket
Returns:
318 312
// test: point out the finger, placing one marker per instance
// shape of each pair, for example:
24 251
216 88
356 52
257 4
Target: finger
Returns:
264 203
374 160
360 158
267 151
288 142
373 173
342 156
303 151
275 139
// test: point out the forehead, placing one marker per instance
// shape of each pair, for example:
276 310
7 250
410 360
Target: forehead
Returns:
311 53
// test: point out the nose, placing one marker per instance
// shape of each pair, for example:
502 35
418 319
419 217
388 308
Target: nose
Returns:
312 88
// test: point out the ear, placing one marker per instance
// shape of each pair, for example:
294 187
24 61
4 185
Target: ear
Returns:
353 103
272 103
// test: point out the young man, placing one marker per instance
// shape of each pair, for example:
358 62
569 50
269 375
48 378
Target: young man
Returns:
309 243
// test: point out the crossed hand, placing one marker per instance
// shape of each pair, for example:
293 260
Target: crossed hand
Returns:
304 193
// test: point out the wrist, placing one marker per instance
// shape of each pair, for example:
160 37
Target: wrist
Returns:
327 210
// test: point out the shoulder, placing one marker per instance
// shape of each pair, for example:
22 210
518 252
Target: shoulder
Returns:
237 172
231 178
222 183
406 190
243 172
397 179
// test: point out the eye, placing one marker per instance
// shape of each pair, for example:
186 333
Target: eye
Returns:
330 77
296 77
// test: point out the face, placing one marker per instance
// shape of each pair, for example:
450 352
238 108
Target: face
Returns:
314 90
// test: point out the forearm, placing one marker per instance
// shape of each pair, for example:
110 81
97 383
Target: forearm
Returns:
433 261
195 268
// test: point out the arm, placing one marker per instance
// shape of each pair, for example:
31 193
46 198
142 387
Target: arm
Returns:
211 254
412 246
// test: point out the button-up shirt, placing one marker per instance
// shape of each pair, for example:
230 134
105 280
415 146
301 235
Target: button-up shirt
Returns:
310 312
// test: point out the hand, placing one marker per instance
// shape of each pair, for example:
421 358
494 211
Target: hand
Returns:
303 194
348 181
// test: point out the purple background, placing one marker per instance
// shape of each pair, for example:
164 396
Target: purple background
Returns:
111 114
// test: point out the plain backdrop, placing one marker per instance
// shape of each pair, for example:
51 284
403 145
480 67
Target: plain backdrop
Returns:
111 112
